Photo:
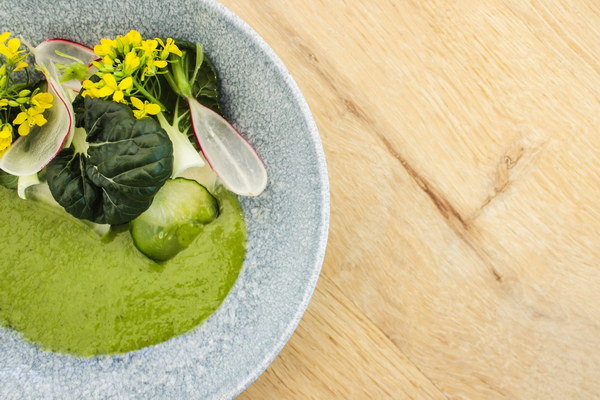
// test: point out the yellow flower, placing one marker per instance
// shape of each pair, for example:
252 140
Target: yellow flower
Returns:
144 108
116 89
89 88
106 48
42 100
148 46
5 137
168 48
28 119
4 36
152 65
3 103
20 66
131 63
11 51
132 38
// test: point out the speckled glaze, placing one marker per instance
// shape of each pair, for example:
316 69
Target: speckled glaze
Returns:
287 224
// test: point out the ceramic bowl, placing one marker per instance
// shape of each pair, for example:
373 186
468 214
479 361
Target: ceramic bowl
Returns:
287 224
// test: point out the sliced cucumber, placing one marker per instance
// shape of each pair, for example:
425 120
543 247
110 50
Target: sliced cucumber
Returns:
177 215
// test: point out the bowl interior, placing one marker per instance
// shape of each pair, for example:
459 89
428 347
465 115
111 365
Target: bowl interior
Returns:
287 224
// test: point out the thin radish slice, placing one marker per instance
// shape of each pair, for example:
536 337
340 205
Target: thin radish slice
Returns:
49 52
29 154
227 152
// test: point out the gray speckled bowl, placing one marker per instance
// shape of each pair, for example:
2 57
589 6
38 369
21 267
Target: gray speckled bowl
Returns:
287 224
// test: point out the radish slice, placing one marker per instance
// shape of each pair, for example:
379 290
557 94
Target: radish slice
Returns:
29 154
227 152
46 53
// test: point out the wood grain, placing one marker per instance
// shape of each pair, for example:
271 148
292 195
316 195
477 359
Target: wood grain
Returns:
463 147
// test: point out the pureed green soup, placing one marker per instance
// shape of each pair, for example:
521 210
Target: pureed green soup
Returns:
67 290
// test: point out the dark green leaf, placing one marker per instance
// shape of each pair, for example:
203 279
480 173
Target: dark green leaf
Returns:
127 162
8 181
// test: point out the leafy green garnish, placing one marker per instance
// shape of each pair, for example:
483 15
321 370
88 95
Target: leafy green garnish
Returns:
193 72
111 175
8 181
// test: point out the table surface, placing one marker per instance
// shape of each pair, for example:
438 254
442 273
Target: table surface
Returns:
463 146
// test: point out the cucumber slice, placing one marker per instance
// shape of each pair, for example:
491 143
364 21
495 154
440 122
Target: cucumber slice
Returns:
177 215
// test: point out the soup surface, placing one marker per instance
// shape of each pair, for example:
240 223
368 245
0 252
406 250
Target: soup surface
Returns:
69 291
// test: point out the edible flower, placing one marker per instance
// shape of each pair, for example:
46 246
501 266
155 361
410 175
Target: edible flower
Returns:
126 62
106 48
148 46
41 101
144 108
16 98
28 119
131 63
169 48
5 138
11 51
117 90
132 38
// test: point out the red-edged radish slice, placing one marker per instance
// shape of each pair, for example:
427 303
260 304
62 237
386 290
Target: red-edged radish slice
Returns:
49 52
29 154
231 157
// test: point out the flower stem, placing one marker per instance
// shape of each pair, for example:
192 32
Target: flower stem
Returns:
143 91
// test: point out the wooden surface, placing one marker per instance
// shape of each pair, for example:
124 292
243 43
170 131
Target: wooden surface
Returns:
463 146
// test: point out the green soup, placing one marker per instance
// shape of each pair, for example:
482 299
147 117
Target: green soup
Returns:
68 291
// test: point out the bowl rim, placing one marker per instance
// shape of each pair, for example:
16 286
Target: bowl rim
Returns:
280 67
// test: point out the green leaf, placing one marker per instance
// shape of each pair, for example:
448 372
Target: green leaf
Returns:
204 87
115 179
8 181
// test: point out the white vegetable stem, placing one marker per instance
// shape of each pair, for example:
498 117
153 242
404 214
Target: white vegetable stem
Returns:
185 156
24 182
227 152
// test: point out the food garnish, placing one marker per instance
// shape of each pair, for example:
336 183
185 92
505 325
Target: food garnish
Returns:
110 131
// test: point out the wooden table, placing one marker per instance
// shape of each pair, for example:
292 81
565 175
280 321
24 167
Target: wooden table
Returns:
463 145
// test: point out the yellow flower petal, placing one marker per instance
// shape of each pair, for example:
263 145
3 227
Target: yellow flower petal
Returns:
39 120
87 84
24 129
34 110
14 44
42 100
160 63
110 81
105 48
20 66
133 38
137 103
126 83
139 113
152 109
103 92
21 117
4 36
6 132
118 96
148 46
131 62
